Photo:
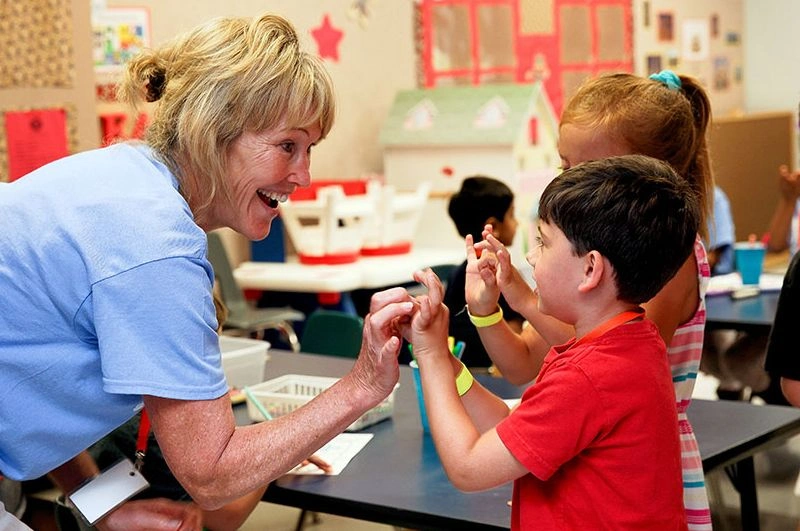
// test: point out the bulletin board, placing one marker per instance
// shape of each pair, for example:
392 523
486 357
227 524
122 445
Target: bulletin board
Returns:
745 154
36 39
47 106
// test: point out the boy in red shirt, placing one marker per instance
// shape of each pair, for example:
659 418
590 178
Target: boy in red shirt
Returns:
594 442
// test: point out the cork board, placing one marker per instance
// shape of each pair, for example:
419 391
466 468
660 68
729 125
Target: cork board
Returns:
36 39
745 154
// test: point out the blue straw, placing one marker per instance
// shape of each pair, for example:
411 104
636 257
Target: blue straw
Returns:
257 403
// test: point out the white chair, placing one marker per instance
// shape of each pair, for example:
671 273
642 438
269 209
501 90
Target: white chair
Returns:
395 219
329 229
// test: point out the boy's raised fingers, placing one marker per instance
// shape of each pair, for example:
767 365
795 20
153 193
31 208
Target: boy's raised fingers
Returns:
470 246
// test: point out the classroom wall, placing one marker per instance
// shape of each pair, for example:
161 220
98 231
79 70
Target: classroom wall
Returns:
76 94
700 39
375 60
772 82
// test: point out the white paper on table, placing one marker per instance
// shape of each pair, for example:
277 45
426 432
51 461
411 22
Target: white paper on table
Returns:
720 284
337 453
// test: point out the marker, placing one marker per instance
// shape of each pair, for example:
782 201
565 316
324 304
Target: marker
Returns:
259 406
458 350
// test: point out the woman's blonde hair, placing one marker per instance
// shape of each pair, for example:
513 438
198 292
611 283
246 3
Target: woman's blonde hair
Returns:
652 119
219 80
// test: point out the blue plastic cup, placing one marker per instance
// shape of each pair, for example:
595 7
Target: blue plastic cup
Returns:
420 398
749 257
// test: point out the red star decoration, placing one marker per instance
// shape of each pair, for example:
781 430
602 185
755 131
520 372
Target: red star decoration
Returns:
327 38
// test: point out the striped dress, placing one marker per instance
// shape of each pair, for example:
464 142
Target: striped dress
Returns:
684 354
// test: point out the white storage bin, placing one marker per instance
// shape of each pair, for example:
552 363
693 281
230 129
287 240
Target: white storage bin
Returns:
243 360
282 395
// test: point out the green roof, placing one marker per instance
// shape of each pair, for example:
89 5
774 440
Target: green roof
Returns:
454 113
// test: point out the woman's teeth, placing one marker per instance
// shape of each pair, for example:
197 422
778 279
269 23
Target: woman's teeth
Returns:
272 198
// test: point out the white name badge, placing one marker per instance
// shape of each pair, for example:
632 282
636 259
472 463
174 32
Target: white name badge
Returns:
108 491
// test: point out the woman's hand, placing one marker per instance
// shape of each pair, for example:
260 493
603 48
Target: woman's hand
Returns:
376 368
319 463
155 514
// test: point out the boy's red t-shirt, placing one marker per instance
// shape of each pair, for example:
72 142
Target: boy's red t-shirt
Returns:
598 432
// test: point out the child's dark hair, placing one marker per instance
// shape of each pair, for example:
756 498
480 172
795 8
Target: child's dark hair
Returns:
634 210
479 199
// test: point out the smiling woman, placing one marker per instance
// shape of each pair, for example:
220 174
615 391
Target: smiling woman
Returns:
264 168
277 98
117 271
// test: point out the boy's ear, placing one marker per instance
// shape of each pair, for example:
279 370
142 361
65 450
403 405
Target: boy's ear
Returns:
594 267
493 221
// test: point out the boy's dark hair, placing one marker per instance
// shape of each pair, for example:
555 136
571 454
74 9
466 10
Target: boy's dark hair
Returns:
479 199
634 210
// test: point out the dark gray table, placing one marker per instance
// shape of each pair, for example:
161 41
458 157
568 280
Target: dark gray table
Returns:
397 478
750 314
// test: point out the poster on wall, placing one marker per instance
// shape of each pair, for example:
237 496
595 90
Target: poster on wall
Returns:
696 37
118 33
34 138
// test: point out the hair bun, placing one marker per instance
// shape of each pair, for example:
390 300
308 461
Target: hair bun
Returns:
155 85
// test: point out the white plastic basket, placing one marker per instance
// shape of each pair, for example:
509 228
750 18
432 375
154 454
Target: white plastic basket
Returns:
243 360
280 396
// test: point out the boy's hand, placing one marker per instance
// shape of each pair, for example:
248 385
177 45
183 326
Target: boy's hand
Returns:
516 291
481 290
428 328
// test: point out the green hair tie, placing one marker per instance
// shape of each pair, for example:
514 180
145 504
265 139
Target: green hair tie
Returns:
668 78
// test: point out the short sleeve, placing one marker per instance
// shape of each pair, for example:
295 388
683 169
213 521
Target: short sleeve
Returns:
156 325
551 426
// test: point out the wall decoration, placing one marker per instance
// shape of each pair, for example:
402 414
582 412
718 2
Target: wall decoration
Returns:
673 58
666 31
714 26
722 73
646 14
695 40
653 64
34 138
118 33
36 40
732 38
557 42
359 11
328 38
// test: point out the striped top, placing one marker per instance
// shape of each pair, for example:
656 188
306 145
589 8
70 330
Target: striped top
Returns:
684 353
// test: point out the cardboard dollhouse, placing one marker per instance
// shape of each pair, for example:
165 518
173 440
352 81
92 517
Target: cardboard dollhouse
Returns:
442 135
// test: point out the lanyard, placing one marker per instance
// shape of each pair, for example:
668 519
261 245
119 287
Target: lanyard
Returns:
602 328
141 440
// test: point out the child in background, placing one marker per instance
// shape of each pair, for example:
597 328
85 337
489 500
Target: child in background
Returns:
785 222
721 235
781 361
479 202
594 442
665 116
